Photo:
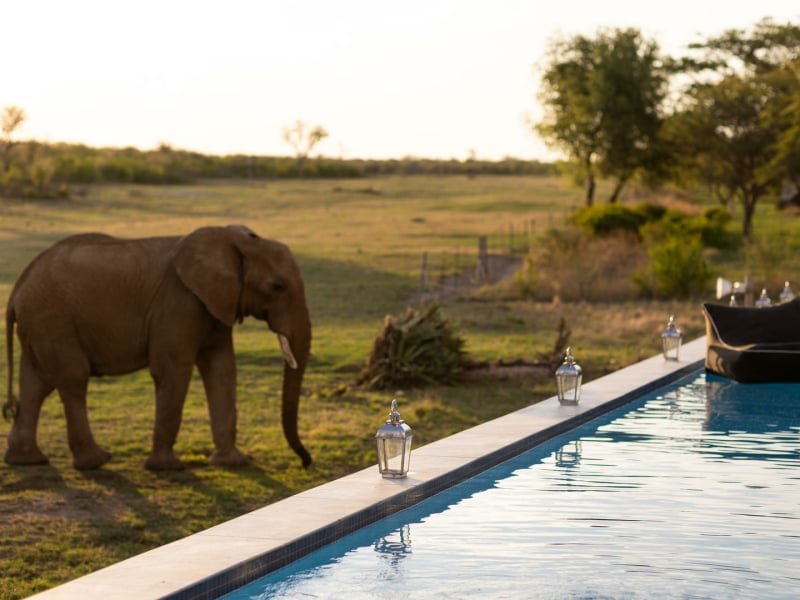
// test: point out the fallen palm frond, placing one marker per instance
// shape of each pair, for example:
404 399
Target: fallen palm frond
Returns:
420 349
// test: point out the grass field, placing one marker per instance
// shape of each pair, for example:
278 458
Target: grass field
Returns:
360 244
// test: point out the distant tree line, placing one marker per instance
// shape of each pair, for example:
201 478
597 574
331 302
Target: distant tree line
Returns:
41 170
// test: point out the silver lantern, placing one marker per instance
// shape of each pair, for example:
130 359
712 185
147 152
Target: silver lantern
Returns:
763 300
671 340
394 446
568 380
786 295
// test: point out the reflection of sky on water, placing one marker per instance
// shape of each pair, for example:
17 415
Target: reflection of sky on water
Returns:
753 408
652 500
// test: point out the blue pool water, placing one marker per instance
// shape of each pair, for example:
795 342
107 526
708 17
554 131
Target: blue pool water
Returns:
690 492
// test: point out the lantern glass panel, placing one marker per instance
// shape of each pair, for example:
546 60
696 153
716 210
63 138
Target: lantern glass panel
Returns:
569 388
394 456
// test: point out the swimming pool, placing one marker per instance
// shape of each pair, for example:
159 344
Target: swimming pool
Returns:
692 491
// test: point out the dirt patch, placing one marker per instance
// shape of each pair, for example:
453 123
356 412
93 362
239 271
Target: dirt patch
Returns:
508 372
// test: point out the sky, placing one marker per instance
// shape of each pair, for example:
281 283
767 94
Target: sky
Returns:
425 78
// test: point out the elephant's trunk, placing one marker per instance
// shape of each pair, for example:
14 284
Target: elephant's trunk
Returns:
292 384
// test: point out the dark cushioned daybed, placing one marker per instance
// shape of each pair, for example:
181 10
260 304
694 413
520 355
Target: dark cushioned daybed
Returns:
754 345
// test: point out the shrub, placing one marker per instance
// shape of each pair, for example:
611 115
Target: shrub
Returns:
653 221
710 228
419 349
677 269
650 212
609 218
606 218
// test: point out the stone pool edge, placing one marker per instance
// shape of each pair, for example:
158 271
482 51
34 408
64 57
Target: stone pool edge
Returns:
227 556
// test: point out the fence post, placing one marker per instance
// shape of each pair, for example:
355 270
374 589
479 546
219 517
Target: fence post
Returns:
424 279
482 269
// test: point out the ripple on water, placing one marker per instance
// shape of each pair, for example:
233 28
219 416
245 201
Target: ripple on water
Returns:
691 492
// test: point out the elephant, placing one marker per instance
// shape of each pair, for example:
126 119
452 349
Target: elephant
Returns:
95 305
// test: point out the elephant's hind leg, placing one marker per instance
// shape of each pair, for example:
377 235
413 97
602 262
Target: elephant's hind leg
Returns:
23 448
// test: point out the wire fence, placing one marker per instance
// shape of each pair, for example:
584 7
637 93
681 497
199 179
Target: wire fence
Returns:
492 258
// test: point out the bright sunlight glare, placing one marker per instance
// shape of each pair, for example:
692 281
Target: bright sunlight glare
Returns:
433 78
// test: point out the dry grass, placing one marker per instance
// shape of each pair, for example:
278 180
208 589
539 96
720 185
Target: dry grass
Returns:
571 265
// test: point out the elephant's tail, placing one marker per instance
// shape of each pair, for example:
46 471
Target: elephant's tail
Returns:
11 407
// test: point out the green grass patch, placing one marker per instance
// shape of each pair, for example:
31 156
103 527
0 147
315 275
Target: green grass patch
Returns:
360 253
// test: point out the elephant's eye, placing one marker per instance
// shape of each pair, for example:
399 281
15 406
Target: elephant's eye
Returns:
277 286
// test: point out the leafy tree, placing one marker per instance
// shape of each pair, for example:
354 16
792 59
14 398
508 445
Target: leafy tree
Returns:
10 120
725 139
737 129
768 47
602 99
303 138
785 116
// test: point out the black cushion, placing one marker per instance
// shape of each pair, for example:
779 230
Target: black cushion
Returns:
754 345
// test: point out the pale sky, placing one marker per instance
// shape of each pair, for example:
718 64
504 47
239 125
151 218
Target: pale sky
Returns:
425 78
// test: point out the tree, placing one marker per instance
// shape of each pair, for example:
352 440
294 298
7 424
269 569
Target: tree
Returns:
727 142
303 138
787 148
602 99
738 126
12 117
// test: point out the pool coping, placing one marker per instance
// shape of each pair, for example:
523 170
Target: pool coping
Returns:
220 559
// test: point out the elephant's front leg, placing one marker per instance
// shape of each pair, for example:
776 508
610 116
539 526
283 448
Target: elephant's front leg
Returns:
171 382
217 366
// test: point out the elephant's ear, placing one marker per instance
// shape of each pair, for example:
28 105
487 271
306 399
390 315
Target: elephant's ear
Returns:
210 265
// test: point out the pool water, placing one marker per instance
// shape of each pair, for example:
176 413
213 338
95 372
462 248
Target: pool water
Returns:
690 492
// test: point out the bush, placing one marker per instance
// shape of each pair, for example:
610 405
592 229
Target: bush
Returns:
710 228
677 269
651 212
606 218
609 218
652 221
420 349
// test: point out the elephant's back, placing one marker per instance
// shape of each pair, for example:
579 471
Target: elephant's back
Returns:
92 286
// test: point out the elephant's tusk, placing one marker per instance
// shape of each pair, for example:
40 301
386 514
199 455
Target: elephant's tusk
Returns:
287 351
